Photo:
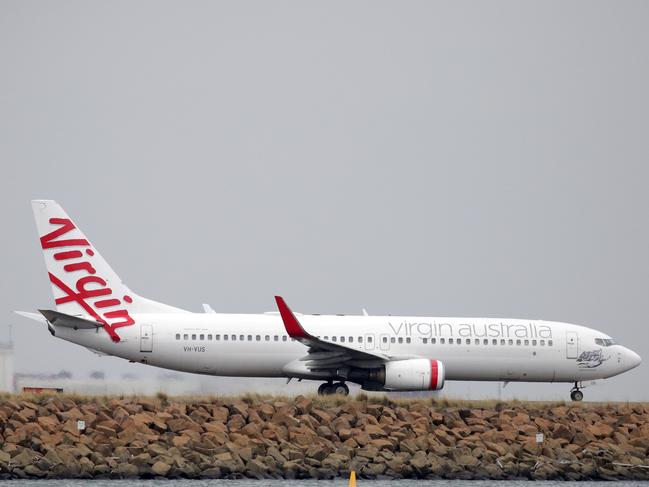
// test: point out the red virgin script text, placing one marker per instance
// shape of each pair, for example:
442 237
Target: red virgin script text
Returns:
88 285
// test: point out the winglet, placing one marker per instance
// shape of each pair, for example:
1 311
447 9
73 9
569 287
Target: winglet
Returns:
292 325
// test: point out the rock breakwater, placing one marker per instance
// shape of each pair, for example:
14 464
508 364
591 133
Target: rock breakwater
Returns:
306 437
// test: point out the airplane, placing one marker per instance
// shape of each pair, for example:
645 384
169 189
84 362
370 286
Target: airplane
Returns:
96 310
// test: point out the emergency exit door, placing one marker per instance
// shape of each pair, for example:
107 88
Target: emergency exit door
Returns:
146 338
572 344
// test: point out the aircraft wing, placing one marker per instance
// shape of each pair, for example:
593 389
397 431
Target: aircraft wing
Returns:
324 354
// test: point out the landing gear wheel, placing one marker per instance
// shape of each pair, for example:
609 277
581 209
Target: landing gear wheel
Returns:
575 392
325 389
340 388
576 395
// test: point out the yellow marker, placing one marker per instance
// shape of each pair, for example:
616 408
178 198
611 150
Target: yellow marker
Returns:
352 479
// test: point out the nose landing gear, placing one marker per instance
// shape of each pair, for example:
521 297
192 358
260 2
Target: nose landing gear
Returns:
329 388
575 393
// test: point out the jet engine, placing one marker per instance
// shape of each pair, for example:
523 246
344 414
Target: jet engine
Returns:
402 375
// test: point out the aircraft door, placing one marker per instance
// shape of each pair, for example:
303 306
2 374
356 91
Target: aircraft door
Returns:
572 344
384 341
146 338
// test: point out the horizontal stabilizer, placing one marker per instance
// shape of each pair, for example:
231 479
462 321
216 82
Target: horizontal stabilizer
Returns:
61 319
32 316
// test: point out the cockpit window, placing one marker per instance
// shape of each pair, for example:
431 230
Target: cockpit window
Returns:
604 342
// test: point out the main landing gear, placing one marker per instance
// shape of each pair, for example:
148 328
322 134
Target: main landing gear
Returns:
329 388
575 393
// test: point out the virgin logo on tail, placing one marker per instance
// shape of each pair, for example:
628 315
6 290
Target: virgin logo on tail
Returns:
88 286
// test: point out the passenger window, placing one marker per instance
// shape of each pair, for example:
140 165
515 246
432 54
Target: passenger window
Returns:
400 340
408 340
267 338
442 340
177 336
209 337
342 339
468 341
542 342
485 342
450 341
217 337
369 339
494 342
534 343
549 343
477 341
249 338
393 340
518 342
258 338
284 338
193 337
234 338
185 336
433 340
242 337
360 339
351 339
527 342
425 340
385 340
502 342
511 342
225 338
326 338
202 337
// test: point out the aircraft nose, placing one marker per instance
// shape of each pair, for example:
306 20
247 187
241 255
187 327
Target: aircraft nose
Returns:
632 359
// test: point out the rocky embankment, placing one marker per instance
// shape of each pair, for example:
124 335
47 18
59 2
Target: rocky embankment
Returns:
318 438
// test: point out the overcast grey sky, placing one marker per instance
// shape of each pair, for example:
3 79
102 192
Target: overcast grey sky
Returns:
420 158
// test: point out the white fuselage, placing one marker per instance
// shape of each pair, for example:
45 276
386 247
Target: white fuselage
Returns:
95 309
256 345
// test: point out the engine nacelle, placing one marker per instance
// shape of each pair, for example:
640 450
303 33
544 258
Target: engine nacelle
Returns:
417 374
414 375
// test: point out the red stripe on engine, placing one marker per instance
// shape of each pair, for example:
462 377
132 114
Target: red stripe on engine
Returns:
433 375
